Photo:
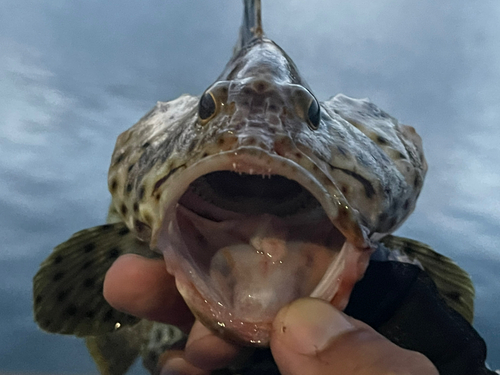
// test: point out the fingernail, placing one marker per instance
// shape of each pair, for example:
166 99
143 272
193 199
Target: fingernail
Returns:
307 325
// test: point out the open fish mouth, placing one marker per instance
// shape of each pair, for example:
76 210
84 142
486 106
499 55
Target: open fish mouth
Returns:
246 232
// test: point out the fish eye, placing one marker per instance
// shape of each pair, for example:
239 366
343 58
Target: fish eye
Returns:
314 114
207 107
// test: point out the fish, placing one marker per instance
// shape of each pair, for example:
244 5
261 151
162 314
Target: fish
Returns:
255 194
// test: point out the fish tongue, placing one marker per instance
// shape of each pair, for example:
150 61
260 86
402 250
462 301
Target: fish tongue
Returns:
254 264
254 281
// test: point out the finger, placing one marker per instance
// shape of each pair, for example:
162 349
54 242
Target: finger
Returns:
207 351
142 287
311 336
172 362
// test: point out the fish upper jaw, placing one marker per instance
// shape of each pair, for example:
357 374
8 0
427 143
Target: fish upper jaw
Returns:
237 261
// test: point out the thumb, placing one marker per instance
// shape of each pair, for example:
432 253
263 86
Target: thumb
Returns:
311 337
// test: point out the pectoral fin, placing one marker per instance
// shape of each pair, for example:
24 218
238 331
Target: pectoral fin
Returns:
115 352
453 283
67 290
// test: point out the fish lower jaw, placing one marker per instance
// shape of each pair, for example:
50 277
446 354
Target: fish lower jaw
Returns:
248 320
241 246
225 323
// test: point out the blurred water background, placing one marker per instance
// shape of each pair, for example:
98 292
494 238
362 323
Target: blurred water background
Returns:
74 74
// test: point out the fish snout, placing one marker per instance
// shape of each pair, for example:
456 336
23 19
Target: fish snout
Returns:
290 106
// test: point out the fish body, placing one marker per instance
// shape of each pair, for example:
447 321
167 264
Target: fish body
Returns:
255 194
260 161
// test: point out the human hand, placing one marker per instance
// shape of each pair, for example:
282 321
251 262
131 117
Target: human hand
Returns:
312 337
309 336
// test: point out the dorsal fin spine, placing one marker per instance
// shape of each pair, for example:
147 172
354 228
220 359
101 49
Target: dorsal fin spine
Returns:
252 23
252 20
258 31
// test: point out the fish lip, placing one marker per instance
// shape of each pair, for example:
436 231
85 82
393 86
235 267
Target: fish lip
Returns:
252 159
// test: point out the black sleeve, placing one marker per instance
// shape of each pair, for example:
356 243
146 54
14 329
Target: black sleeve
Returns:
401 302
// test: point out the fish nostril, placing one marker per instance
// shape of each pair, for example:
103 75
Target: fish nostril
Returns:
260 86
272 108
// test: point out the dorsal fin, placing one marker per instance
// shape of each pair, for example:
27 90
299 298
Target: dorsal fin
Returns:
251 26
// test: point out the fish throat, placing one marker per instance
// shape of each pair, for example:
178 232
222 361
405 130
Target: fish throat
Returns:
263 240
249 194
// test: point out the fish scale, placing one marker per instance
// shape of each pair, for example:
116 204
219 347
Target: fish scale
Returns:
256 194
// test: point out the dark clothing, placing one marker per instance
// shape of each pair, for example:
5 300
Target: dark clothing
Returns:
401 302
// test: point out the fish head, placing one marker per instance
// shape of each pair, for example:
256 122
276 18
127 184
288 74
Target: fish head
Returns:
228 187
